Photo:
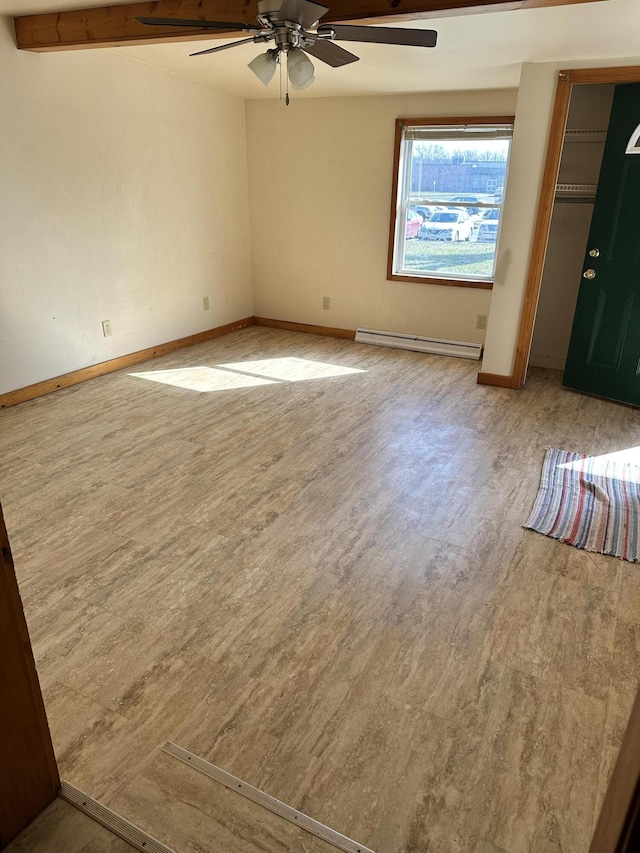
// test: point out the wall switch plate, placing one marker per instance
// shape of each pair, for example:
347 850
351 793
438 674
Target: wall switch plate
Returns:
205 303
481 321
326 302
106 328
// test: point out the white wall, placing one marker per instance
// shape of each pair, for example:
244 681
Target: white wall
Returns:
320 174
123 196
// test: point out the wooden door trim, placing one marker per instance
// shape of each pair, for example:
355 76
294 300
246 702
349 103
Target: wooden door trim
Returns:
619 819
497 380
566 81
29 780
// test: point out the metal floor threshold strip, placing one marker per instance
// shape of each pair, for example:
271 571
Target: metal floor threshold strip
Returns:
112 821
341 842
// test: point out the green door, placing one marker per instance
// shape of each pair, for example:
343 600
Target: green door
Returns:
604 351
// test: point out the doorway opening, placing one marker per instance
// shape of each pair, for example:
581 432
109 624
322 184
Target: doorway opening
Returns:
567 82
582 150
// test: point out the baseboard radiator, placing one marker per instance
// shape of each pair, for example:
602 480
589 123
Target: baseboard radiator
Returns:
438 346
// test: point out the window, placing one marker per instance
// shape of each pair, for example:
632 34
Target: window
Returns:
452 174
634 143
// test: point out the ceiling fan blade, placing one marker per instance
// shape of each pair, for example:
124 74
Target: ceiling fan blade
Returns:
221 47
382 35
331 53
195 24
302 12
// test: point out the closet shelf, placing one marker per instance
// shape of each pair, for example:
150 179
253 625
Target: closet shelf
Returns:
585 135
576 193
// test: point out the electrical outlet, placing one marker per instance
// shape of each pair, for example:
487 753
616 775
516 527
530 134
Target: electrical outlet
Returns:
205 303
106 328
481 321
326 302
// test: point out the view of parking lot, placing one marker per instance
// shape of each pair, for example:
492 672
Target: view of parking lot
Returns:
451 240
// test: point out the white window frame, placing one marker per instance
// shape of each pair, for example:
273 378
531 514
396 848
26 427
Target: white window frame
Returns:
633 146
407 131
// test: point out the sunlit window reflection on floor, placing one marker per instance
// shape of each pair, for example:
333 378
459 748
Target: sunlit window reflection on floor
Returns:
246 374
203 379
607 463
291 369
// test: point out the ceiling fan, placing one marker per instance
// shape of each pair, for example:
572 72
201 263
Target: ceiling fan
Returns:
294 27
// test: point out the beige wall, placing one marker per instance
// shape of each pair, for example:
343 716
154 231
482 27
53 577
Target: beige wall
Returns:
123 196
320 175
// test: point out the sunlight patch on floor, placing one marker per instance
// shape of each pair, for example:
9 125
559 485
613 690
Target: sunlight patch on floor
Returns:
203 379
602 464
246 374
291 369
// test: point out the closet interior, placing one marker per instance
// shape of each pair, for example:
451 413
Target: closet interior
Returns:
584 141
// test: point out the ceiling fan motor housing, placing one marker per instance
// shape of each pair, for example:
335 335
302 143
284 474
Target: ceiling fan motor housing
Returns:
285 38
269 7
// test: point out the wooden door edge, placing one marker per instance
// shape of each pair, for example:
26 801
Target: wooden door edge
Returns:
37 771
619 817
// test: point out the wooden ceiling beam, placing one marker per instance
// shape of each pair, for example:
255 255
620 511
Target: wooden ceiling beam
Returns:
109 26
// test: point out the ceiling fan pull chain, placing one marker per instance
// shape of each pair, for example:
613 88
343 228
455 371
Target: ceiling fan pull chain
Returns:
286 100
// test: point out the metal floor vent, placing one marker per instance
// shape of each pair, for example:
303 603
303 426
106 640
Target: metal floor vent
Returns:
437 346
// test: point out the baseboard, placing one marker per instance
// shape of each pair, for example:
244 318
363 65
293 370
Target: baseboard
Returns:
497 380
39 389
329 331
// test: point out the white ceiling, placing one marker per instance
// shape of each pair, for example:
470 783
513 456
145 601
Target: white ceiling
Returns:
475 51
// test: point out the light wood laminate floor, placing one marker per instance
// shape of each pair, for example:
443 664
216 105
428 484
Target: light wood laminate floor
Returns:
305 563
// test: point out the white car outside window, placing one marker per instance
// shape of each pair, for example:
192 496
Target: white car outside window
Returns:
488 226
451 224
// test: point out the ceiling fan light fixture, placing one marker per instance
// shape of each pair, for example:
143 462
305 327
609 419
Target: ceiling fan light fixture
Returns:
300 69
264 67
306 85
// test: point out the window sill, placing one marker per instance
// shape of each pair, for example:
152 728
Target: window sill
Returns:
447 282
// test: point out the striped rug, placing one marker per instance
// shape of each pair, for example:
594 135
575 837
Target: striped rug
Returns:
592 502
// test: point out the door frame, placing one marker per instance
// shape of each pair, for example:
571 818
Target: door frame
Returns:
29 780
618 826
566 81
